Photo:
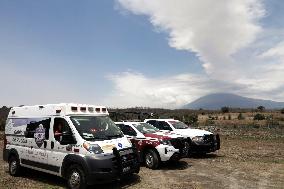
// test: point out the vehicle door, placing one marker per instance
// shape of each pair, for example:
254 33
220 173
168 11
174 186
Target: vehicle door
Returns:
37 136
61 143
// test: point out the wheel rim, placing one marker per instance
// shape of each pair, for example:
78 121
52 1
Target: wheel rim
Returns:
75 179
13 167
149 160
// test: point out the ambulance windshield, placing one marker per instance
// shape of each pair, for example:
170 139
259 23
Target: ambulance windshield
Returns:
96 127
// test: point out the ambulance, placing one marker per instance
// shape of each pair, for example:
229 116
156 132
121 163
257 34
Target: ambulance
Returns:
78 142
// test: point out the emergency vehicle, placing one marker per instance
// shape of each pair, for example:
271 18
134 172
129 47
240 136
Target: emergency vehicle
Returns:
154 146
200 141
78 142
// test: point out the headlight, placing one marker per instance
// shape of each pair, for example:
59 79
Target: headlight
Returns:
129 141
197 139
93 148
165 142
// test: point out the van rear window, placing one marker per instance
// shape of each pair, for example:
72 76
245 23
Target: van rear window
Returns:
17 122
33 124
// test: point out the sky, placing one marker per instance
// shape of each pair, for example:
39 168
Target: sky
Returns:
128 53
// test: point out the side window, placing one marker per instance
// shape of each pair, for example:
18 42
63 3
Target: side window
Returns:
152 122
37 123
127 130
164 126
60 126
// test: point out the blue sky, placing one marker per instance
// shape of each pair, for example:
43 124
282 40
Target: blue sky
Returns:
124 53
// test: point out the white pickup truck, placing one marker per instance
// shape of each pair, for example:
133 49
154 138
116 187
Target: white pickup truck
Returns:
200 141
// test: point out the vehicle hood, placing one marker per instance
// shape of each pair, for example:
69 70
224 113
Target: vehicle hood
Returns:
158 135
108 145
169 134
191 132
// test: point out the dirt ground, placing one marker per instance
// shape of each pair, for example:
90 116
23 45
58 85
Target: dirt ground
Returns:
255 160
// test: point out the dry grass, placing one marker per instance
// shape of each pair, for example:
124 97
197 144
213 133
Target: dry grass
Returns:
249 158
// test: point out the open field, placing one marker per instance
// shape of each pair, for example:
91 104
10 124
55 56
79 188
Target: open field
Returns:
247 159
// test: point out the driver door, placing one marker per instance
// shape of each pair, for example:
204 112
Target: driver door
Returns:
58 149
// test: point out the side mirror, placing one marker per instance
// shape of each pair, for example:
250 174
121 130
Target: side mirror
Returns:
67 138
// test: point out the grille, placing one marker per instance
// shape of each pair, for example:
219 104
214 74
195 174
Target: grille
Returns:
209 139
124 158
178 143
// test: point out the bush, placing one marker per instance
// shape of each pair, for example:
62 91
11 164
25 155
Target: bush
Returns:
225 109
2 125
259 117
282 111
240 116
191 119
261 108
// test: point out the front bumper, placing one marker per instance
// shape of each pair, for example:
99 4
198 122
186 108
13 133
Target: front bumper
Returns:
211 143
107 170
167 152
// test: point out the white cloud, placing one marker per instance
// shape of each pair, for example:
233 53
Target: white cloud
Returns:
214 30
135 89
275 52
237 54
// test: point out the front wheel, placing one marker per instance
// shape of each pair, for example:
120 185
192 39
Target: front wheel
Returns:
152 160
76 178
14 166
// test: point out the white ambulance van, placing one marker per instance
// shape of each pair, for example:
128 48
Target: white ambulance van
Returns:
75 141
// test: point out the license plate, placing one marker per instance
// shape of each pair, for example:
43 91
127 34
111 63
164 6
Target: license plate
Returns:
125 169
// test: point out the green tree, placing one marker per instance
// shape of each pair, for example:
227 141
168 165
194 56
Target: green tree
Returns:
225 109
261 108
2 125
259 117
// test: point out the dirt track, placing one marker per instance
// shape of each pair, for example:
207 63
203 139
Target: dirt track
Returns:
241 163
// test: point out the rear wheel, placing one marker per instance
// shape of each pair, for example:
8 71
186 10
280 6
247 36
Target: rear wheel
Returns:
14 166
76 178
152 160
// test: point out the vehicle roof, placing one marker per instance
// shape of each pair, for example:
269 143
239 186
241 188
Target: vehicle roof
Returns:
128 122
57 109
161 119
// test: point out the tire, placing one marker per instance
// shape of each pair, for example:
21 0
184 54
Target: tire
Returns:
14 166
152 160
76 178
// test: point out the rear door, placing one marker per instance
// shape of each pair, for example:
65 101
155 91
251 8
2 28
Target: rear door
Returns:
37 135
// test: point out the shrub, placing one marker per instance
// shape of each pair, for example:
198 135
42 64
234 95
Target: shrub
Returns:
240 116
259 117
260 108
225 109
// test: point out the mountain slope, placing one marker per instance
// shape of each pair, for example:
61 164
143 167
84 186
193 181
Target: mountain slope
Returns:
218 100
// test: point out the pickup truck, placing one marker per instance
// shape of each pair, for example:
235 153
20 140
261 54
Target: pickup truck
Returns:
154 146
